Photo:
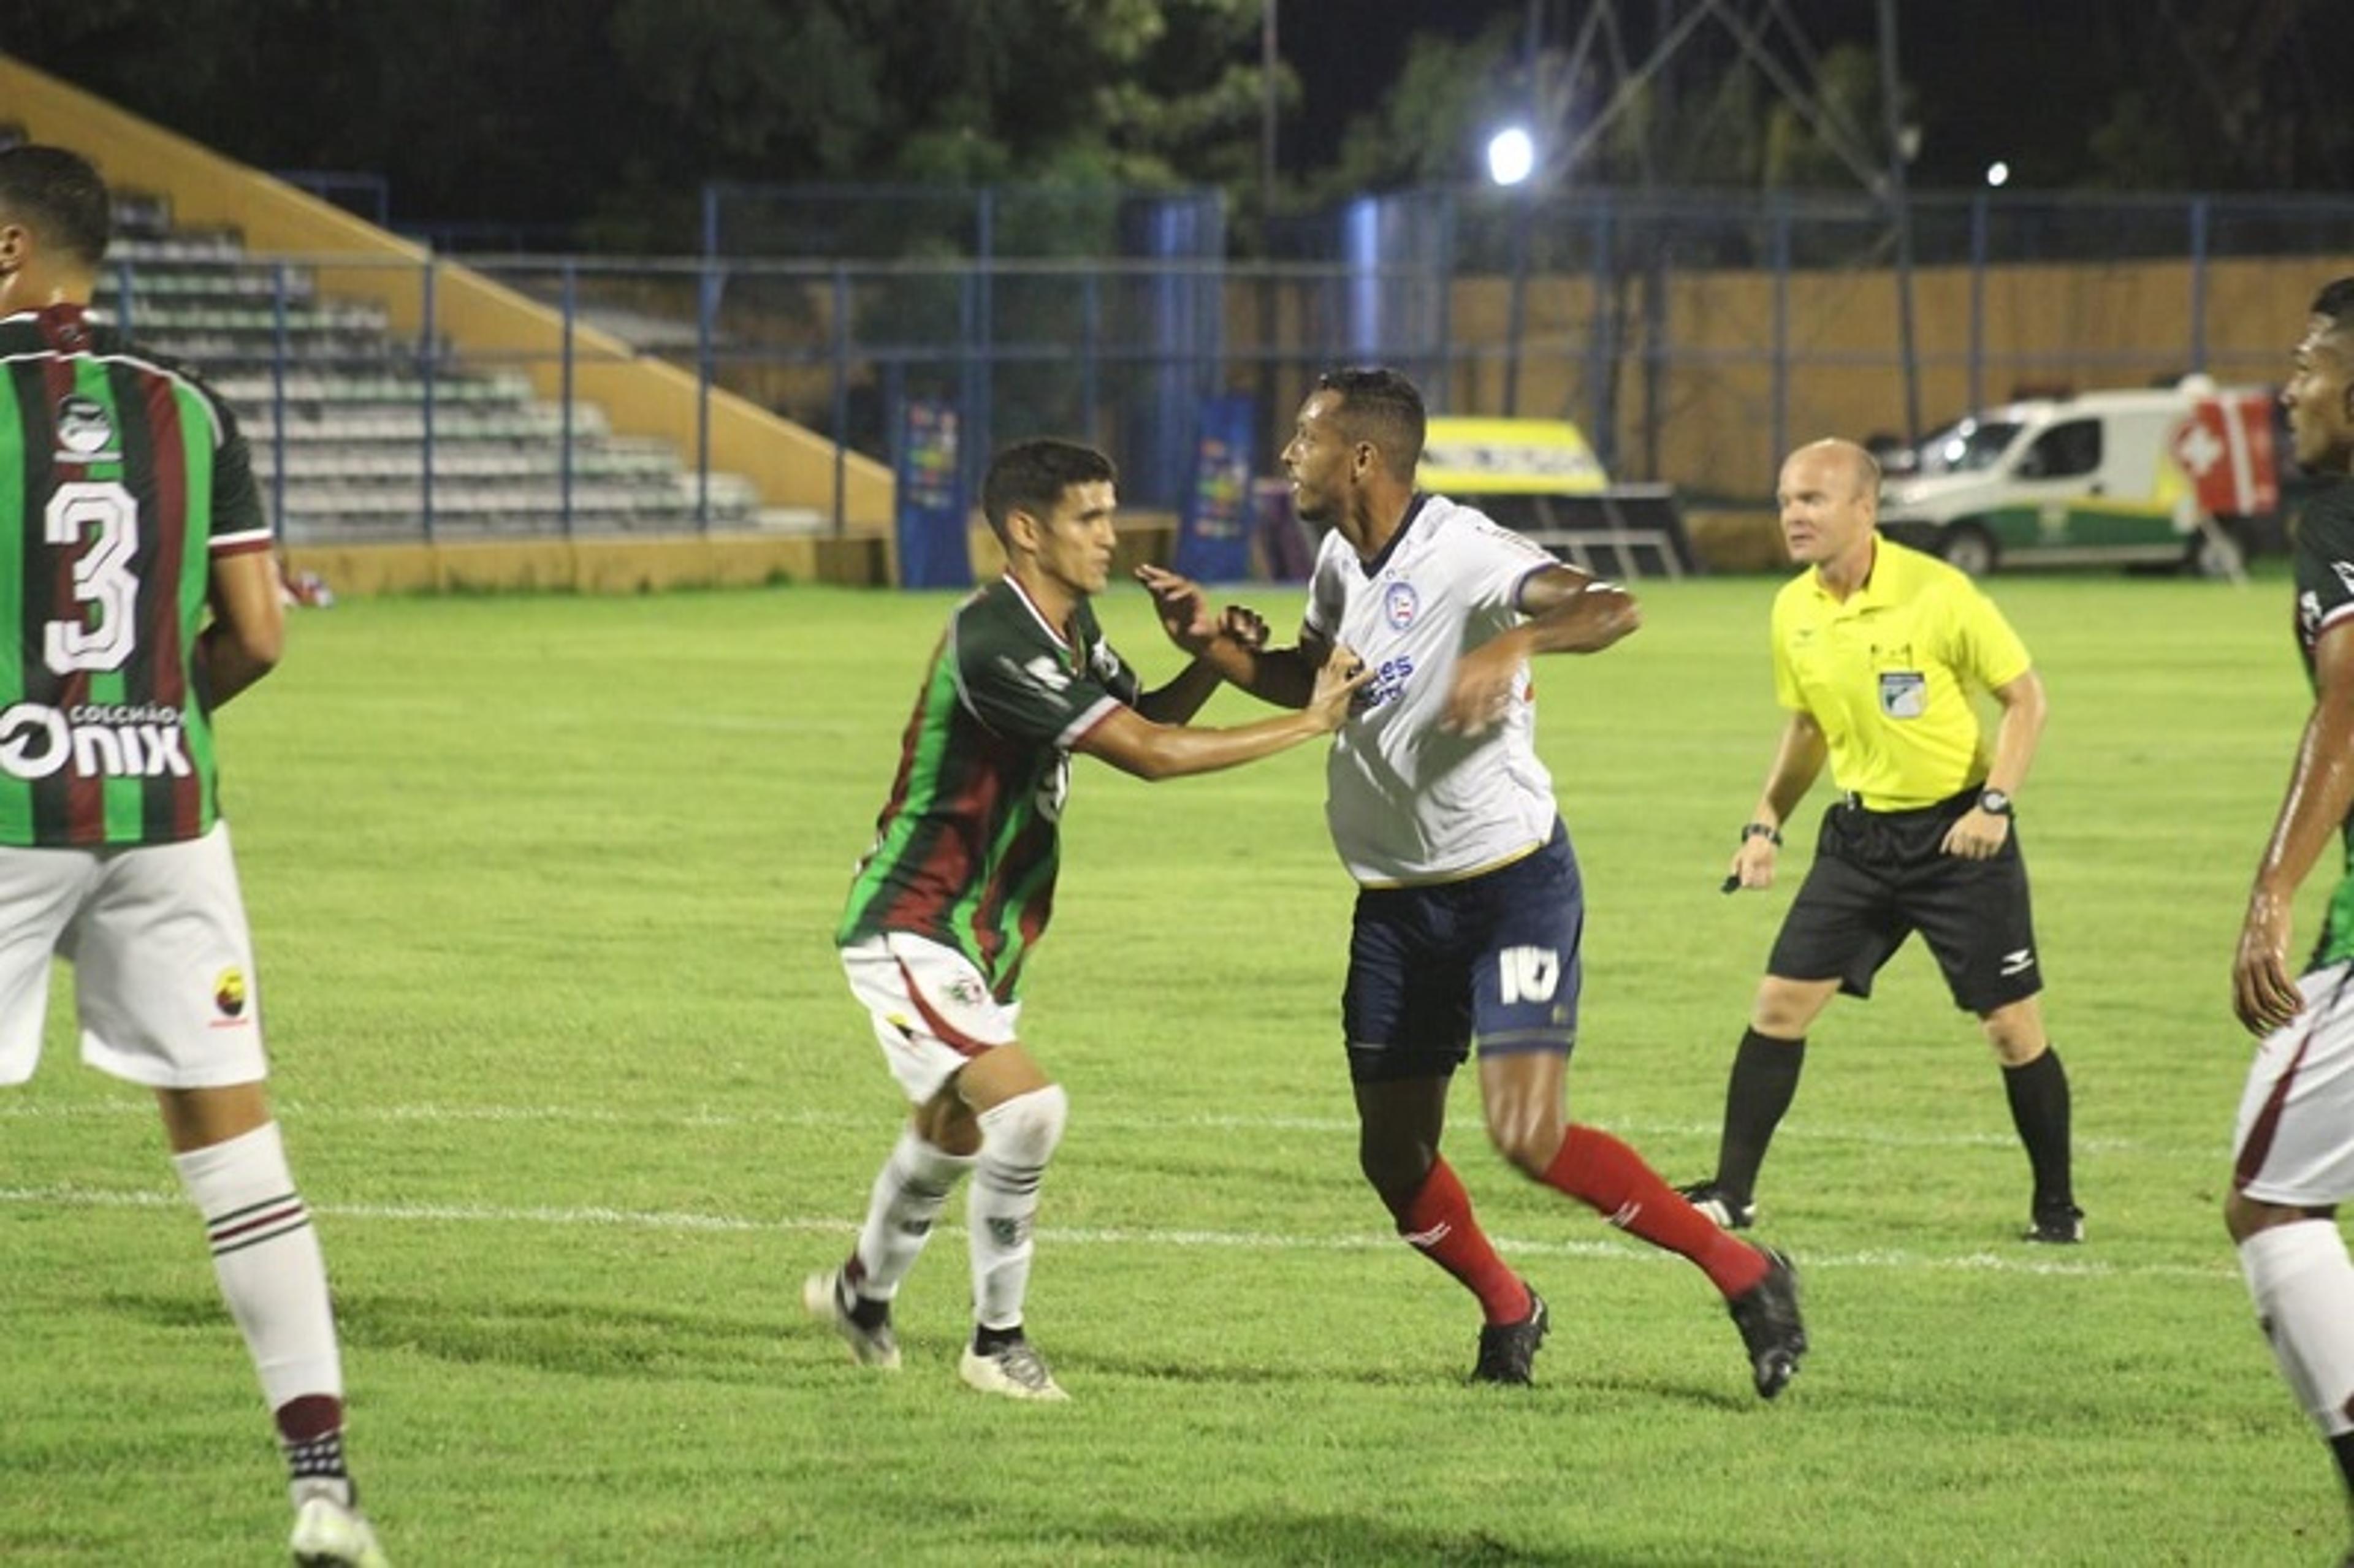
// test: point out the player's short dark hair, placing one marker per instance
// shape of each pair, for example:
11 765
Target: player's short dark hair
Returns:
1030 476
1380 406
58 195
2336 303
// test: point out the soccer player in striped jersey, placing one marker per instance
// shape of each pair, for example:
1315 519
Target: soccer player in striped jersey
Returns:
2292 1159
956 890
136 572
1470 909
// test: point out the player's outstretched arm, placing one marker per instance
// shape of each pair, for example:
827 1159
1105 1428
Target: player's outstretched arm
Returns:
1569 613
1233 642
248 630
1136 745
2320 791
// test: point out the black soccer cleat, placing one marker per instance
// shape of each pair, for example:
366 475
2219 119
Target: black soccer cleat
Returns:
2059 1224
1729 1212
1508 1351
1771 1330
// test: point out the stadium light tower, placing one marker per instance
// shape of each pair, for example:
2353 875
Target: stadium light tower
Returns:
1511 155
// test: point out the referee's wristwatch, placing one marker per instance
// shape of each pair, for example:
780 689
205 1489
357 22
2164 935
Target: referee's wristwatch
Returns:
1994 803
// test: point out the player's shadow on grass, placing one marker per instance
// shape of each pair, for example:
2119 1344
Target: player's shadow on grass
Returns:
1269 1536
1586 1381
590 1339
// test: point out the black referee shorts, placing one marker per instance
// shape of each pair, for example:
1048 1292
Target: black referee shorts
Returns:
1879 876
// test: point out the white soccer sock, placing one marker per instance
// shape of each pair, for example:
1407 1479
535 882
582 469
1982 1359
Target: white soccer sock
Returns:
909 1192
2303 1285
1018 1137
268 1260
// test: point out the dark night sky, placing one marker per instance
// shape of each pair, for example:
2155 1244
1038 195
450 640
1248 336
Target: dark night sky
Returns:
2021 80
1348 51
2015 79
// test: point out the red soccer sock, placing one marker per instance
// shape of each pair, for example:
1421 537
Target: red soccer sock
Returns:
1437 1224
1594 1168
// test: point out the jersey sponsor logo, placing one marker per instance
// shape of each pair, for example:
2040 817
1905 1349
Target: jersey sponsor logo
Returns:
84 432
1400 605
1387 686
97 740
1043 673
1904 694
1527 974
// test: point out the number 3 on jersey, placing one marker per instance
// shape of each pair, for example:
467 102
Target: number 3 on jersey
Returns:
101 576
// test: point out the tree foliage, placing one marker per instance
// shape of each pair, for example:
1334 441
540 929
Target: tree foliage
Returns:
556 110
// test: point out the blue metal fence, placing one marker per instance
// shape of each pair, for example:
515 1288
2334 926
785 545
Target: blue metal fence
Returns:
1631 313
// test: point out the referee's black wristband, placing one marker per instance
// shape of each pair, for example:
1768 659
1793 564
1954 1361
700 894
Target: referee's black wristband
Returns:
1761 830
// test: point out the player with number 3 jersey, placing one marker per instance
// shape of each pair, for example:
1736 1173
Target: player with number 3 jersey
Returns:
136 578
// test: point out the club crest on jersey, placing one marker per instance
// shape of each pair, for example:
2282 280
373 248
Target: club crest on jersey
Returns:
228 993
1400 605
84 432
1904 694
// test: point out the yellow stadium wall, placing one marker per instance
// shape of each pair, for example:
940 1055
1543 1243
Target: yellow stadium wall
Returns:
790 465
2072 327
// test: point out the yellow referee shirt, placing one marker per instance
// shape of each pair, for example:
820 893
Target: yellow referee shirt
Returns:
1891 673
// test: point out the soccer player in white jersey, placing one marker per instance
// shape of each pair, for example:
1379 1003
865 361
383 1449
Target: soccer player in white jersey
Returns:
1469 908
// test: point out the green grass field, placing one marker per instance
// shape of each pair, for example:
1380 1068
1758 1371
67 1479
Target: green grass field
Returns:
543 890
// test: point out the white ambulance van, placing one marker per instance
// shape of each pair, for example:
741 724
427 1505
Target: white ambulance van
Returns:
2162 476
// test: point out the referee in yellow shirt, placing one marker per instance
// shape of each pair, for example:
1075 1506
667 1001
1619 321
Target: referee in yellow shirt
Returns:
1877 651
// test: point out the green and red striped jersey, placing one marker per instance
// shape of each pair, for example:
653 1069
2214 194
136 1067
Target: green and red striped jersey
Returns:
967 847
121 477
2324 545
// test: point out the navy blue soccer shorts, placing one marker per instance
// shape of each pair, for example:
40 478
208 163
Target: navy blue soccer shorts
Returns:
1492 960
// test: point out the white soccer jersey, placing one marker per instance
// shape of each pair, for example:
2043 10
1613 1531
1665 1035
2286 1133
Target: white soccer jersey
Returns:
1407 800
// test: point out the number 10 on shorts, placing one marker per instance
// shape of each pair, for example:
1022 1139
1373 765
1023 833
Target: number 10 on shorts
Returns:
1527 974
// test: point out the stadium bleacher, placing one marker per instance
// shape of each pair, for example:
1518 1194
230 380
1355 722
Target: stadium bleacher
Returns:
341 415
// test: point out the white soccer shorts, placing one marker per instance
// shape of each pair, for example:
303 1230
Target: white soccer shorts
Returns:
933 1011
2296 1140
163 961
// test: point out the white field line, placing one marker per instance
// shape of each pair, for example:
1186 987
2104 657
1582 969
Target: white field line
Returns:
596 1115
81 1197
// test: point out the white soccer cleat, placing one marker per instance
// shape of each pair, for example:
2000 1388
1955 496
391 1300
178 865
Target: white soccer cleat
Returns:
1015 1371
329 1534
876 1347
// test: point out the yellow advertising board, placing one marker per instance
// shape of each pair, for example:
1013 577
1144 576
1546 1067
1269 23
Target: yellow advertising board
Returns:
1509 457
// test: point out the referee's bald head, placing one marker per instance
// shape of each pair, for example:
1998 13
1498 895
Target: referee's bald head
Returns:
1860 463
